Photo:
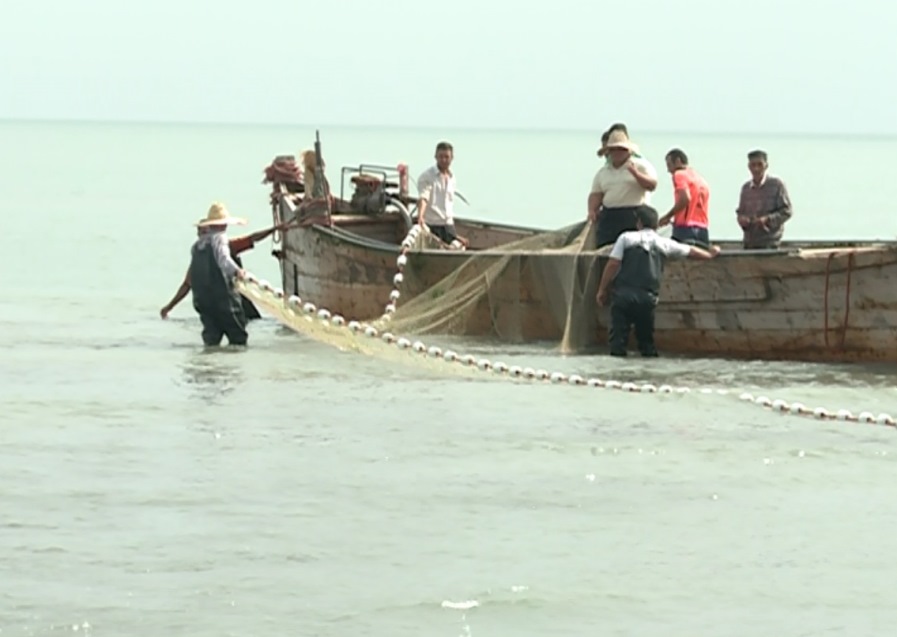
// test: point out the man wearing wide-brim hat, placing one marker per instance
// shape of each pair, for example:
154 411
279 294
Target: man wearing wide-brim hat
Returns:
238 245
619 188
212 273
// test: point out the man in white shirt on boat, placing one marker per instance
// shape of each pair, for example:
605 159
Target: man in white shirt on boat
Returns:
436 192
619 188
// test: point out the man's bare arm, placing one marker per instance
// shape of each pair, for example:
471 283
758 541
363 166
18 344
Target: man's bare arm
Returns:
595 201
178 296
682 201
700 254
607 278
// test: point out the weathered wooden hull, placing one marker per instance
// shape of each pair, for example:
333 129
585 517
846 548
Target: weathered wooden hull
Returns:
808 302
813 304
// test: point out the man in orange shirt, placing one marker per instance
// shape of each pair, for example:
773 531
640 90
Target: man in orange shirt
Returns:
237 245
691 197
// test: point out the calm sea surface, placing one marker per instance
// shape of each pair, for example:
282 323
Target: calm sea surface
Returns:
150 488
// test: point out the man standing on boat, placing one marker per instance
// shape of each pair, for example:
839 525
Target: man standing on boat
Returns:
619 188
237 245
764 205
634 270
212 272
691 203
436 193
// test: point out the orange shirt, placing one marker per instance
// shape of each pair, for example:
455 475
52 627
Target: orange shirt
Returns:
696 215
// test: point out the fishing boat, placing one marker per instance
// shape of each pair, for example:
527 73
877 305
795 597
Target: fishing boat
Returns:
806 301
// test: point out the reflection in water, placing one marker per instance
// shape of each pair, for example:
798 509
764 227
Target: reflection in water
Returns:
213 372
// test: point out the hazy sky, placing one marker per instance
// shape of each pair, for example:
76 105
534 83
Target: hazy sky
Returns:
691 65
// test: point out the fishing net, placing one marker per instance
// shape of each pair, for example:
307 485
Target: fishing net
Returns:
353 336
531 289
536 288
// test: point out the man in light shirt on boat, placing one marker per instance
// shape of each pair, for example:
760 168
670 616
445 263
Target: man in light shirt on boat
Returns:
634 270
436 192
764 205
619 188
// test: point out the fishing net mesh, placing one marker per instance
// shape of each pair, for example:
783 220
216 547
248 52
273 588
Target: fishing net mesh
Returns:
495 293
359 341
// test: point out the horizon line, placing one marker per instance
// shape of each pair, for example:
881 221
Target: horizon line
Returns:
499 129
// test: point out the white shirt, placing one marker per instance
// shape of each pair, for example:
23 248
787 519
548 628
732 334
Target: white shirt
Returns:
439 191
221 249
619 187
646 238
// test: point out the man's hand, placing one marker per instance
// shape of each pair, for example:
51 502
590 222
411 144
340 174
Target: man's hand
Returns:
241 273
744 221
164 311
763 222
601 297
665 220
593 215
632 168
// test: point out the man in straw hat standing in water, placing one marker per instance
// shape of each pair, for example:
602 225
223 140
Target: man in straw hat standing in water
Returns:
619 188
212 271
237 245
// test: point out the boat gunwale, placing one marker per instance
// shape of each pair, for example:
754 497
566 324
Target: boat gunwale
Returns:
794 248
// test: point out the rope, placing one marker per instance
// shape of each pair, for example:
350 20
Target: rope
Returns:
845 323
847 300
263 291
828 268
275 214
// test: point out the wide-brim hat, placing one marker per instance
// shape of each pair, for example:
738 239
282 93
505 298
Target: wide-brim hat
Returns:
619 139
220 216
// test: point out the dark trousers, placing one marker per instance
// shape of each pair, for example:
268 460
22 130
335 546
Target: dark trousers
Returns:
692 235
218 323
445 233
628 309
612 222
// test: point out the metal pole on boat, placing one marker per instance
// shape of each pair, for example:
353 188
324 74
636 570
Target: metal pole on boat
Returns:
321 189
318 190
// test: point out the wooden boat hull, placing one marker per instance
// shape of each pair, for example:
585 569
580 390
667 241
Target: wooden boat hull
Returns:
806 301
834 304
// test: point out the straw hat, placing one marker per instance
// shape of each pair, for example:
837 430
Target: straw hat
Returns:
219 216
633 148
619 139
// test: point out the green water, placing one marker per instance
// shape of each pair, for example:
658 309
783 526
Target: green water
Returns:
294 489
